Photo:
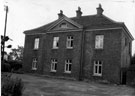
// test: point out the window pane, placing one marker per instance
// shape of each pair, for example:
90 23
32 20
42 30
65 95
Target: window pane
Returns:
72 43
66 67
99 41
34 63
36 43
55 66
55 42
100 69
69 67
96 69
100 62
69 41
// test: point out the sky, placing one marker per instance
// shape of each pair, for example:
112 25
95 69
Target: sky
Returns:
28 14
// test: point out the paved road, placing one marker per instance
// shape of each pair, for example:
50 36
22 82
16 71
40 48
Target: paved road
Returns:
43 86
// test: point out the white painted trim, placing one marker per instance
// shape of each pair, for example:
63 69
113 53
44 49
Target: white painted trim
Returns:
57 31
34 33
127 32
66 19
34 68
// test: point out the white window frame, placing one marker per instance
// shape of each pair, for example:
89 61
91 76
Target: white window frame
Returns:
55 42
53 65
68 62
99 41
97 64
34 64
69 43
36 43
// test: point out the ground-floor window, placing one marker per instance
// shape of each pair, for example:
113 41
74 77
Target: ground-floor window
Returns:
34 64
53 65
68 64
98 68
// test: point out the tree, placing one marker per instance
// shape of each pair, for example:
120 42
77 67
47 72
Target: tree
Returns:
3 40
16 54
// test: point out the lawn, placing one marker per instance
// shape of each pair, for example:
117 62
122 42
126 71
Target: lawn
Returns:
44 86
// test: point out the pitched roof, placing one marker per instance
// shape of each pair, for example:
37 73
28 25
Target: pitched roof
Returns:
88 22
91 21
94 21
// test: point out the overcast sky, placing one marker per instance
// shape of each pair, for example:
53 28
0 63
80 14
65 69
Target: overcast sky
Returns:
29 14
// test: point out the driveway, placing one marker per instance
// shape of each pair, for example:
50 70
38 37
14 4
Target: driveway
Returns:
44 86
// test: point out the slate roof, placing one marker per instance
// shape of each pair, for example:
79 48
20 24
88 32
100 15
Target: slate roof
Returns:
94 21
88 22
91 21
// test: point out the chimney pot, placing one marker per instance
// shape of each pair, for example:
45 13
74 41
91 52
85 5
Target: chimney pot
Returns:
60 14
99 10
78 12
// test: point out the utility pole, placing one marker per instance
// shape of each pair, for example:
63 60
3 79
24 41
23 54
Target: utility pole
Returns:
6 9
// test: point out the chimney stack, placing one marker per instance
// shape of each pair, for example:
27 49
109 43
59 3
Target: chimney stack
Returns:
99 10
60 14
78 12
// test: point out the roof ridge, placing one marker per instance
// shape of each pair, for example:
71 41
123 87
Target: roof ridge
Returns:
83 16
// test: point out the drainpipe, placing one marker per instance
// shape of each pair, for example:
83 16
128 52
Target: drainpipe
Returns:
82 55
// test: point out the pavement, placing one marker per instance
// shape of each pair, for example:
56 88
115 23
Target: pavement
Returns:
44 86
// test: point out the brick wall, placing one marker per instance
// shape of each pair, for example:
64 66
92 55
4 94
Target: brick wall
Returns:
30 53
110 55
62 53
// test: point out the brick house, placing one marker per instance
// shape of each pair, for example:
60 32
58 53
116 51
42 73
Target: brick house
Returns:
92 47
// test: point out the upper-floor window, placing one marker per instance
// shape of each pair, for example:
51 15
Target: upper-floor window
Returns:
99 40
36 43
63 25
69 43
53 65
98 68
68 64
55 42
34 64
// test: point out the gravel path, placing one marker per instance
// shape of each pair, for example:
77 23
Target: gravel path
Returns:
43 86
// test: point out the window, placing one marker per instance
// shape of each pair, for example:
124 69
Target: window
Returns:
63 25
55 42
34 64
99 41
69 42
68 64
53 65
36 43
98 68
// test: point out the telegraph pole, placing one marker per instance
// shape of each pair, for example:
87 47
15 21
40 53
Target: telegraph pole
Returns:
6 9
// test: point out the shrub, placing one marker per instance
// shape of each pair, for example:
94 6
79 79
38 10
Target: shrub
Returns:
11 86
5 67
15 65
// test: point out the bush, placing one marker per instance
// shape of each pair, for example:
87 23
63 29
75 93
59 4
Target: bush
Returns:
5 67
15 65
11 86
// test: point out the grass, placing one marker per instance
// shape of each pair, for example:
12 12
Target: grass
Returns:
43 86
